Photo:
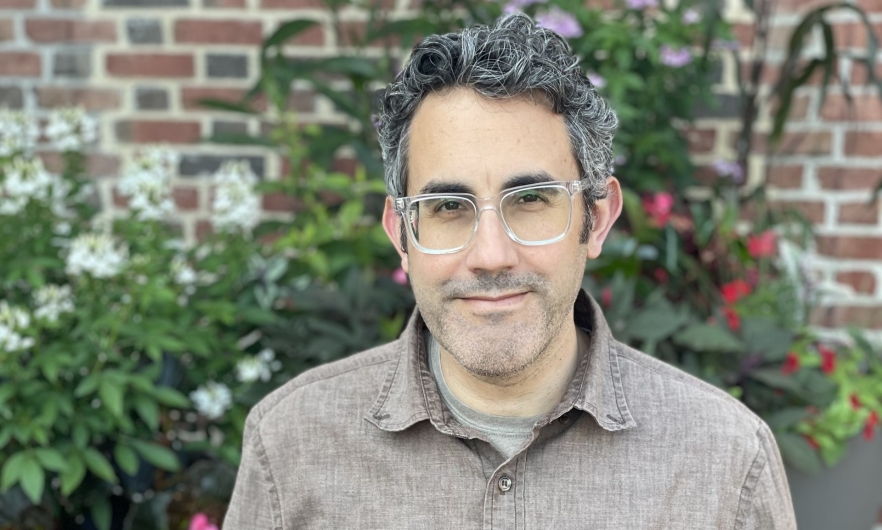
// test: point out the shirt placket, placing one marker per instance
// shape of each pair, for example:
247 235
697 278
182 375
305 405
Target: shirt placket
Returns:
504 496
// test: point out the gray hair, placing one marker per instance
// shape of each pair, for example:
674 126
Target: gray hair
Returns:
513 58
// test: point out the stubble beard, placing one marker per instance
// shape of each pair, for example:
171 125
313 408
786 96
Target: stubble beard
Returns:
501 345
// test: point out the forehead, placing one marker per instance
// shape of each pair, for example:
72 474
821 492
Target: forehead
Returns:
460 137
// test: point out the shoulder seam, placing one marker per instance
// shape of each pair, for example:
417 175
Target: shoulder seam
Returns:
751 478
275 500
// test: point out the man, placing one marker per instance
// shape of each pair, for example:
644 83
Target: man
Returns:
506 403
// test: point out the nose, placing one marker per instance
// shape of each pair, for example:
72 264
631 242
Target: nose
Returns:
491 250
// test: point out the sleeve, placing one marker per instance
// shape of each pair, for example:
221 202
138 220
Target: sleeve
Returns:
254 505
765 496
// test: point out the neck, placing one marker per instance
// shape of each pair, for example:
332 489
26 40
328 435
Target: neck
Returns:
531 392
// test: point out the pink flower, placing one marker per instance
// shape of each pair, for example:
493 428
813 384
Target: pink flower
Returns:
791 364
732 318
675 57
641 4
735 290
725 168
658 206
596 79
691 16
606 297
762 245
399 276
870 426
855 402
200 522
514 6
560 22
828 359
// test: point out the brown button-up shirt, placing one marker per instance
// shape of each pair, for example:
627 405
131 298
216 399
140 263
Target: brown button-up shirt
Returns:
367 443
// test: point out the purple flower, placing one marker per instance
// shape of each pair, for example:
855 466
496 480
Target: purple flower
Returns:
675 57
514 6
596 79
725 168
691 16
641 4
560 22
723 45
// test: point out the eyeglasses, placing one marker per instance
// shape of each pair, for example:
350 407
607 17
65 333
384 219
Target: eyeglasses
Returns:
535 214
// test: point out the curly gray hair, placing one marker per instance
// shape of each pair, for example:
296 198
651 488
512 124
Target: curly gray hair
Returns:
513 58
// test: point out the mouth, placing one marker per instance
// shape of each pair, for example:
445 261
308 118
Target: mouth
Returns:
494 302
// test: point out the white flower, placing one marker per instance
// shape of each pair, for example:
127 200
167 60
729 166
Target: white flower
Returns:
53 300
71 129
26 180
236 207
596 79
18 133
261 366
212 399
96 254
13 320
691 16
182 272
147 183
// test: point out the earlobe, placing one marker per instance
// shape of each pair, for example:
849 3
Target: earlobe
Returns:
392 227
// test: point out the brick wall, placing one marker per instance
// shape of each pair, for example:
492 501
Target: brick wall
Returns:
141 65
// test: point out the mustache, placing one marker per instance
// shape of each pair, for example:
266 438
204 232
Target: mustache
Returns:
484 284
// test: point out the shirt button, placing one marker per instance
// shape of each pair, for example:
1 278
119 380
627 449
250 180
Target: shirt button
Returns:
564 419
504 484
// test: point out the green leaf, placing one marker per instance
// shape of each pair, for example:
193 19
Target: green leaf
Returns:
170 397
126 458
87 385
12 470
157 455
99 465
787 417
287 31
654 324
32 479
73 476
797 452
111 394
762 336
708 338
148 410
80 436
775 379
50 459
7 390
229 106
101 513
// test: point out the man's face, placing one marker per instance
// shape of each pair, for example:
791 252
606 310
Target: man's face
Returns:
496 305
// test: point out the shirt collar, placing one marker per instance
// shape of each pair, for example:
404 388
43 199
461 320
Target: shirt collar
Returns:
409 393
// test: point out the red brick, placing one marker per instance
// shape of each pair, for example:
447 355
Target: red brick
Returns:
870 6
353 34
860 281
22 64
797 143
292 4
190 97
834 178
853 34
859 213
278 202
96 165
798 6
90 98
150 65
844 316
186 198
17 4
811 210
218 32
701 140
223 4
857 247
66 30
785 177
203 230
744 34
7 30
158 131
859 73
313 36
861 108
119 200
863 143
345 165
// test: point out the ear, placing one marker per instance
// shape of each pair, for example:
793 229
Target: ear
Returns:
606 212
392 226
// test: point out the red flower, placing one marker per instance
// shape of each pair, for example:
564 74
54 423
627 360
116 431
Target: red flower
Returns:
855 402
606 296
828 359
658 206
762 245
399 276
733 318
791 364
660 275
735 290
812 442
870 426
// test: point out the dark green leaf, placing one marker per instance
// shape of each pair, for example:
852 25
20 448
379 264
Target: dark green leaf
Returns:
228 106
170 397
126 458
32 479
51 459
775 379
87 386
788 417
708 338
12 470
287 31
797 452
148 410
73 476
111 394
157 455
99 465
101 514
763 336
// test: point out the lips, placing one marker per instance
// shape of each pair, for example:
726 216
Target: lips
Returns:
494 302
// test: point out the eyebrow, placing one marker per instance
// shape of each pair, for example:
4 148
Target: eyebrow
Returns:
521 179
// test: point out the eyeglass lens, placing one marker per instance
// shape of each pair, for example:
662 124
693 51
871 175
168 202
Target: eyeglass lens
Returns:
533 215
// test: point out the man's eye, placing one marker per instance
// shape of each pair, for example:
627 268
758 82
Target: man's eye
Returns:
530 197
449 206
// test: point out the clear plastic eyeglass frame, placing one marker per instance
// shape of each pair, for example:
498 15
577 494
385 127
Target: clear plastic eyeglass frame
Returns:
572 187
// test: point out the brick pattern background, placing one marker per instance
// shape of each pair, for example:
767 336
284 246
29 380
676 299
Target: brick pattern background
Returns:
142 65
